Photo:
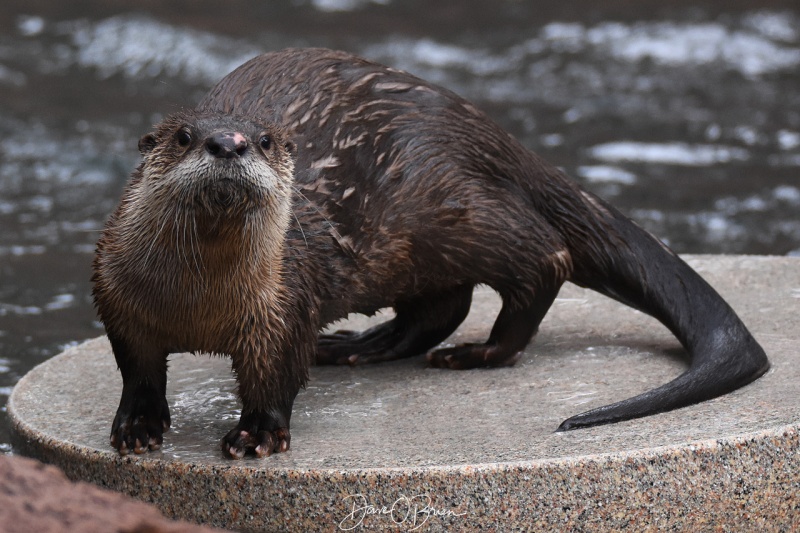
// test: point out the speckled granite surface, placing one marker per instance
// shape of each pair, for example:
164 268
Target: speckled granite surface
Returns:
398 445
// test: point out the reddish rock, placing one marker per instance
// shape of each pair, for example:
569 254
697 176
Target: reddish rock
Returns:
38 497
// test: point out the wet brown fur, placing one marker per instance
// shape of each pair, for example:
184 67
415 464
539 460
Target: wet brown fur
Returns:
404 195
203 278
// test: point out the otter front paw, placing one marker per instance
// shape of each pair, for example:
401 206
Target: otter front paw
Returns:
261 435
141 421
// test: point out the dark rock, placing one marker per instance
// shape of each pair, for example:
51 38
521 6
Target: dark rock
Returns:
38 497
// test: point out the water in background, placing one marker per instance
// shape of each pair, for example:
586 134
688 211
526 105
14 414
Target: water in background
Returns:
687 116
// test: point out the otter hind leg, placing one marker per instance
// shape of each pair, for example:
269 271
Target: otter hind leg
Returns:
419 325
512 331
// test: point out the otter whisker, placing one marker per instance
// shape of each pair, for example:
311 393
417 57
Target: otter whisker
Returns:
154 240
300 227
317 210
194 237
182 244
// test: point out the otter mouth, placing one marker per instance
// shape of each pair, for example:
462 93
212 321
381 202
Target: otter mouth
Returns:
228 196
223 193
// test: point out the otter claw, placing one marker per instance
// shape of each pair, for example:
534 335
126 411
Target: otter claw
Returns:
238 442
266 445
123 448
138 448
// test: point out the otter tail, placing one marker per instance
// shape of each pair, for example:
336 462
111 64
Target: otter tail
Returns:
619 259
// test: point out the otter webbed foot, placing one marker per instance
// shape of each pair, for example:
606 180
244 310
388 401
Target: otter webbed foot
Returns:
261 434
512 331
377 344
142 419
466 356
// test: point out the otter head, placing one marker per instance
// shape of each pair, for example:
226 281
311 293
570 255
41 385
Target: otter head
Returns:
226 166
211 186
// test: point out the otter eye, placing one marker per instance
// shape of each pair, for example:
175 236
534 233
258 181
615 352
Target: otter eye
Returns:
183 137
265 142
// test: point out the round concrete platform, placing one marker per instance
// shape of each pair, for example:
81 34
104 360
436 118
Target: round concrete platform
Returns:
398 445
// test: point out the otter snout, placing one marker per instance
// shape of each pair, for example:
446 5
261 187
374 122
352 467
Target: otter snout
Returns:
226 145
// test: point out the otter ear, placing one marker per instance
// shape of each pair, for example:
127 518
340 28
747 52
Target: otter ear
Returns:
147 143
291 147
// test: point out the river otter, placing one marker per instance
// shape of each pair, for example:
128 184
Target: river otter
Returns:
404 195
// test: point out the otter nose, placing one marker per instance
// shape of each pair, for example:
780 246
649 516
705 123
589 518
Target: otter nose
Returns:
226 145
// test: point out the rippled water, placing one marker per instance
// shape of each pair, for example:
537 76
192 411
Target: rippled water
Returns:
688 118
